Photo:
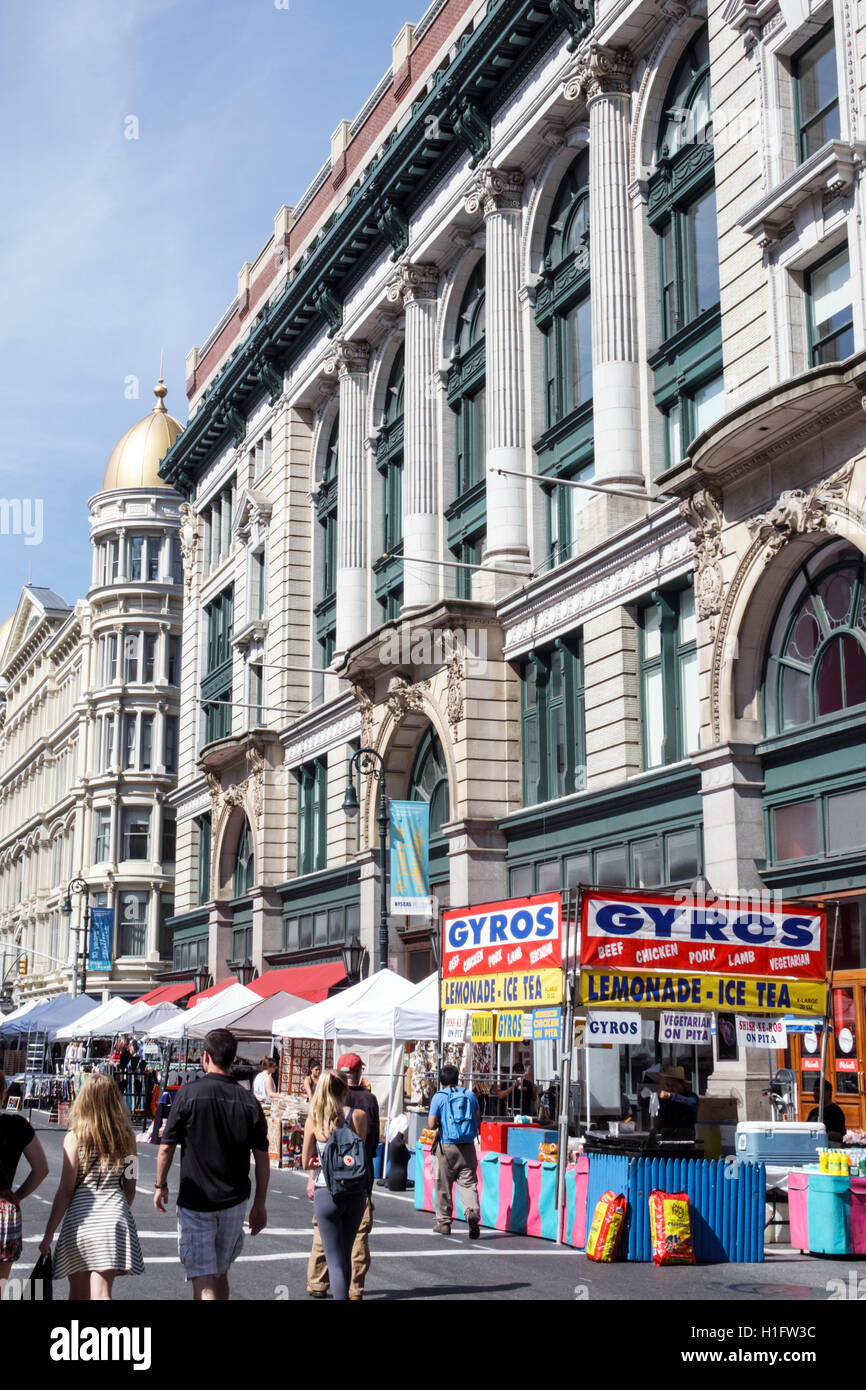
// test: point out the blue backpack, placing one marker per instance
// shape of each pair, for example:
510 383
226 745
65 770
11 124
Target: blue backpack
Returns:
458 1116
344 1163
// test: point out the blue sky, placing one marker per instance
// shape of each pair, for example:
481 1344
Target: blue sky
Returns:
115 248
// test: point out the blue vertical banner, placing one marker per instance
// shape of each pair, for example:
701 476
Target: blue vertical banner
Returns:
410 839
99 955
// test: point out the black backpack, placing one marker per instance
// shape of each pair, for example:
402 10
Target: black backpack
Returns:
344 1163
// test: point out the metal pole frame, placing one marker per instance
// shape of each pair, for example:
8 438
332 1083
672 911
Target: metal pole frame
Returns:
571 912
827 1008
370 763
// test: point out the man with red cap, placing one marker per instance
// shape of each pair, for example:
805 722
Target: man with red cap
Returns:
359 1098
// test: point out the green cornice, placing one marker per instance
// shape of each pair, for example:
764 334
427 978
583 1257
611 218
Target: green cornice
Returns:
454 114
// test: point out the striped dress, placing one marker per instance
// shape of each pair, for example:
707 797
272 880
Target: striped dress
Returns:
98 1232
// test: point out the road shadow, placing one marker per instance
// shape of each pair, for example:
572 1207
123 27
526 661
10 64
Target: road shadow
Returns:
444 1291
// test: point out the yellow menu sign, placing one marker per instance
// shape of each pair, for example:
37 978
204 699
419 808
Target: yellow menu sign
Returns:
521 990
738 993
482 1028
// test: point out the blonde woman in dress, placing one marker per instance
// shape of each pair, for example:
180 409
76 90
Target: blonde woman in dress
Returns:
98 1239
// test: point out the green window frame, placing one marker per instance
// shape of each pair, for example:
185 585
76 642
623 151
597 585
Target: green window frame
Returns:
389 462
687 366
332 924
245 869
312 816
326 516
467 514
428 781
829 292
204 853
216 686
816 93
668 676
553 721
670 856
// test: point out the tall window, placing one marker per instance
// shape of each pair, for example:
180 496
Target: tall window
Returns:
217 519
312 816
130 726
564 315
144 557
244 873
216 687
132 924
204 852
682 211
135 832
168 847
108 659
389 461
668 676
467 516
831 312
428 780
169 758
101 835
174 660
816 662
257 584
326 515
108 562
552 708
816 93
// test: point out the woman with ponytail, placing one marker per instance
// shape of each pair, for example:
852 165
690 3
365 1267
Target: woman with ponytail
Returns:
338 1218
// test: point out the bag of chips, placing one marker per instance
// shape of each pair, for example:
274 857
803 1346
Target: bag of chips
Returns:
548 1153
671 1229
606 1228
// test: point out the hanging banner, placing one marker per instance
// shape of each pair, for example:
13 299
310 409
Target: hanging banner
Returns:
612 1027
482 1028
99 954
761 1032
509 1025
503 991
409 873
503 937
683 934
711 992
546 1025
693 1029
455 1027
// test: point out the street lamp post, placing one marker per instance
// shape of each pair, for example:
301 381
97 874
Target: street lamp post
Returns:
369 763
79 886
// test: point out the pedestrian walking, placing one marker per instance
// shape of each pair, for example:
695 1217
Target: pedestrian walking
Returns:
218 1124
318 1282
454 1113
335 1156
17 1137
264 1089
98 1239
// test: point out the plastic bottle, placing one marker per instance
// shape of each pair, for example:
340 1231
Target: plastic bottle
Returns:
822 1160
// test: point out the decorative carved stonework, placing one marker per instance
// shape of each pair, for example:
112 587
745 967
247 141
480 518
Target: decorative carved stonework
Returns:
494 190
215 786
347 357
235 795
798 512
403 697
364 696
600 71
454 696
703 514
413 282
188 541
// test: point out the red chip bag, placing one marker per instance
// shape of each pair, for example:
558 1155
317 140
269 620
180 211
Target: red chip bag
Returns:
606 1228
671 1228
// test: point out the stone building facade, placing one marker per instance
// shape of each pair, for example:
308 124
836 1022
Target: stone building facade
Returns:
89 737
522 430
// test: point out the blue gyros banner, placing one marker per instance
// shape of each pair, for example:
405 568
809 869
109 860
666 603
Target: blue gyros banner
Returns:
99 956
410 837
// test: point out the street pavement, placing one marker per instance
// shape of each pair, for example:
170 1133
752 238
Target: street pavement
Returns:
410 1262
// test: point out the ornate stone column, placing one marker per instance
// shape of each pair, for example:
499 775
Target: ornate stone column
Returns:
602 80
416 286
498 193
350 364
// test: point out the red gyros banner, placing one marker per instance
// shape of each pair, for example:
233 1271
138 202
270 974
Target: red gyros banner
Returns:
717 936
518 934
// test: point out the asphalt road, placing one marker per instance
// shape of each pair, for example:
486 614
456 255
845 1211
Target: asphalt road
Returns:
410 1262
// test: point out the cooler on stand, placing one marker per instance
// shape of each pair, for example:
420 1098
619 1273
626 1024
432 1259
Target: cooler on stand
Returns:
783 1144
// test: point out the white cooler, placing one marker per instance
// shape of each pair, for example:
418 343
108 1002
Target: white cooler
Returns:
784 1143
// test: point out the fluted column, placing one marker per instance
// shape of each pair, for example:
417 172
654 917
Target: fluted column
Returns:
498 193
350 363
602 80
416 286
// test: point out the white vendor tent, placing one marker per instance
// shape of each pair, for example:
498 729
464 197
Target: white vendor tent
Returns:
177 1028
249 1022
60 1013
318 1020
417 1017
137 1018
372 1015
95 1024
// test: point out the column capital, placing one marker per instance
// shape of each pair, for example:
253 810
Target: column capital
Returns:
347 358
600 71
413 282
495 190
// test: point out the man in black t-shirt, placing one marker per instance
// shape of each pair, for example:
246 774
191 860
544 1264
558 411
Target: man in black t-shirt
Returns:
217 1124
834 1115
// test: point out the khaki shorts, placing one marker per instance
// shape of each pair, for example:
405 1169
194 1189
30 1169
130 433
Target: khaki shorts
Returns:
209 1241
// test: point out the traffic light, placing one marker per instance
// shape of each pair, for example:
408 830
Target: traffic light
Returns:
22 965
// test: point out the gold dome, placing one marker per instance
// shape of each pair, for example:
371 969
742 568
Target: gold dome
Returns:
135 459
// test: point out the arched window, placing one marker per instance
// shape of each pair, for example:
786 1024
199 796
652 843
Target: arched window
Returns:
564 315
244 862
428 780
389 461
467 515
326 515
816 661
682 211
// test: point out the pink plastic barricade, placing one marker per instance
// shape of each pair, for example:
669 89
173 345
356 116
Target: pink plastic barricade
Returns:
858 1216
533 1207
798 1210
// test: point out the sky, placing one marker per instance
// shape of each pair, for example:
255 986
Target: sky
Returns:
117 248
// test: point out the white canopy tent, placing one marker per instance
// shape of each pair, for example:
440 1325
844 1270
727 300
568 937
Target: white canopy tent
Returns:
178 1028
417 1018
8 1024
318 1020
250 1021
62 1010
138 1018
91 1024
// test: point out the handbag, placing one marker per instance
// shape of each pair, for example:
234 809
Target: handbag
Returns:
41 1286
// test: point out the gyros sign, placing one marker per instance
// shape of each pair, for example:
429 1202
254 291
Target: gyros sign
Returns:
503 937
647 931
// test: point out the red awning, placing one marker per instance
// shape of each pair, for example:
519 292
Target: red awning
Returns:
209 993
313 982
167 994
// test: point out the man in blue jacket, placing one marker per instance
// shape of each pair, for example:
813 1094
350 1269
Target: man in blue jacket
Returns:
454 1114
